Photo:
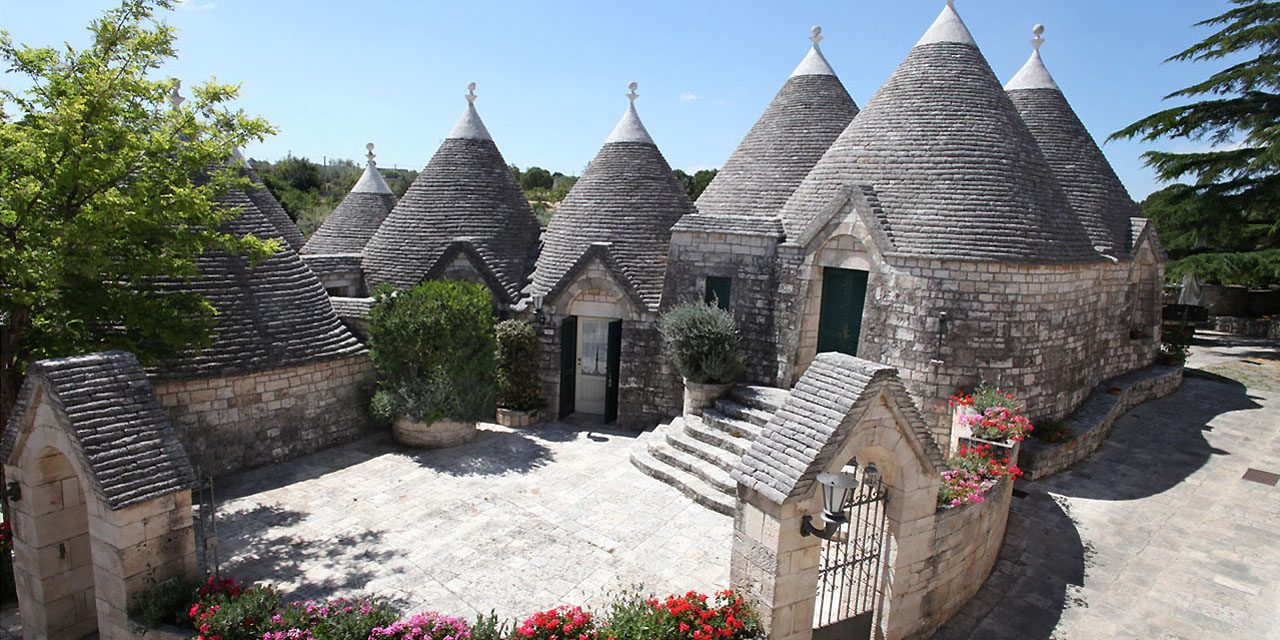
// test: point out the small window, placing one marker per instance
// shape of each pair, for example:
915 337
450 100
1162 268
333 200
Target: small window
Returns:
718 291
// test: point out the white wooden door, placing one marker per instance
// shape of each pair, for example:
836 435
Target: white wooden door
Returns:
593 365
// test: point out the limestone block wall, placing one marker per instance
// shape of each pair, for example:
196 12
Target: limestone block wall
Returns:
348 285
749 260
966 545
243 421
1049 333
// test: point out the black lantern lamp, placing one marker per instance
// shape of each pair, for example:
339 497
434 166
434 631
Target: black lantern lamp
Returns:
837 492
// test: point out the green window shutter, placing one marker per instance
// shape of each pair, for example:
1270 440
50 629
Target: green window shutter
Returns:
718 291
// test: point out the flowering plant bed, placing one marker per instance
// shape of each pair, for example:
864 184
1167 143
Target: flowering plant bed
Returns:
974 470
561 623
992 414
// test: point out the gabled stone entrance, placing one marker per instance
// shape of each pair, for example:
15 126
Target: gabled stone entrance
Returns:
100 495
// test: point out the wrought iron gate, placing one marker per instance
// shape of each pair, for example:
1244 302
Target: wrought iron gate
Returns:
849 576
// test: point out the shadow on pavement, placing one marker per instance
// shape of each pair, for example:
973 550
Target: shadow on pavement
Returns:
1041 564
491 453
1158 444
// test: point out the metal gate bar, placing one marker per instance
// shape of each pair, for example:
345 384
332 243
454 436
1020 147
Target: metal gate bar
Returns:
849 589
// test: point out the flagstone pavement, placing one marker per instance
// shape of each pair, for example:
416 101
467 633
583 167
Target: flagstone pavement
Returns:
515 521
1158 535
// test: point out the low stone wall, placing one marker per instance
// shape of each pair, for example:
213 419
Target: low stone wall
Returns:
1092 422
1240 301
440 434
243 421
1268 328
966 545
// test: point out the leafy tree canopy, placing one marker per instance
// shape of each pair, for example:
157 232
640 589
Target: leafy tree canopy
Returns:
695 184
97 198
1236 110
535 178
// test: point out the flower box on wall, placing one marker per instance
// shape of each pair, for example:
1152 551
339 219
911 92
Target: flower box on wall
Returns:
515 418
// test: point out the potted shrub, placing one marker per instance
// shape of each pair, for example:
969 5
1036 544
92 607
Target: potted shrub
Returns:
702 341
519 389
433 347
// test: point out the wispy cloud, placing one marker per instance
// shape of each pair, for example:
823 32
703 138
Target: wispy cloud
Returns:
689 96
196 5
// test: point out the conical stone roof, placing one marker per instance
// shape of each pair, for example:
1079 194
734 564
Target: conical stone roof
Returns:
953 167
466 196
357 217
801 122
1094 190
270 315
627 197
270 207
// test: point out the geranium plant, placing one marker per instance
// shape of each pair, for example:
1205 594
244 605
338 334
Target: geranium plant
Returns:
337 619
561 623
997 424
424 626
973 471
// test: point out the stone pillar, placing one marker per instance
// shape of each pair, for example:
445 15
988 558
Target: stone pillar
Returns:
773 566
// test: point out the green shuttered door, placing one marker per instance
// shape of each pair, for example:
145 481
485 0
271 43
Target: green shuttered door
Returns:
844 294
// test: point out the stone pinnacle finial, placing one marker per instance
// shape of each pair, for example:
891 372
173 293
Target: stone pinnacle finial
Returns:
175 98
471 93
951 3
1038 32
633 95
817 35
371 155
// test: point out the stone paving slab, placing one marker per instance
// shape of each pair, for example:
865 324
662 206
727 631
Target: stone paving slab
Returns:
1157 535
515 521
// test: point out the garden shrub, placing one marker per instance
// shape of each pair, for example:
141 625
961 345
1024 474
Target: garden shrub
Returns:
556 624
491 627
165 602
239 614
434 348
519 388
1053 432
424 626
702 341
973 471
1175 346
692 616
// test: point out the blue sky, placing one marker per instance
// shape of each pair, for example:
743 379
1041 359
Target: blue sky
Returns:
552 75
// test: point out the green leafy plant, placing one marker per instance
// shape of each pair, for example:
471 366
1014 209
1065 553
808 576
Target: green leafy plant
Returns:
165 602
237 615
434 350
1053 432
337 619
702 341
491 627
1175 346
517 366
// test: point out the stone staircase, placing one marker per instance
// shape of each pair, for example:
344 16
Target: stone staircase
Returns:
696 453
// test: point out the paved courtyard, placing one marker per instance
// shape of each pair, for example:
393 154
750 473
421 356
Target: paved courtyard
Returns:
1157 535
515 521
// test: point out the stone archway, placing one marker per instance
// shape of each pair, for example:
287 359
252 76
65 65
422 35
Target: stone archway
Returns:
102 501
842 409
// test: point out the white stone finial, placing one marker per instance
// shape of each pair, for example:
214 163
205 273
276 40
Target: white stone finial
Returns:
1038 39
817 35
471 93
371 155
814 63
1033 74
951 3
948 28
633 95
175 98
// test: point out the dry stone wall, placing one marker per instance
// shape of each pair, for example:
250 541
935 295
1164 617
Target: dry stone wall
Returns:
243 421
748 260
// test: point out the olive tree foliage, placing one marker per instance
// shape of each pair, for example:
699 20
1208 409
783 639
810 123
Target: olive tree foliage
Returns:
98 205
702 341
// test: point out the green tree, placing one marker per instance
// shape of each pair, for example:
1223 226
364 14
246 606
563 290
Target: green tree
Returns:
535 178
97 198
1236 111
695 184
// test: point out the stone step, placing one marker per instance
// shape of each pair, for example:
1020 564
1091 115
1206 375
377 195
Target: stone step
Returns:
708 472
714 419
690 485
696 428
678 437
768 399
743 412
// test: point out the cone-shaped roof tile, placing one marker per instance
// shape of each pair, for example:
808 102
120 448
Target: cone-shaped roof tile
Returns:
357 217
799 125
467 194
272 314
955 170
1099 199
627 197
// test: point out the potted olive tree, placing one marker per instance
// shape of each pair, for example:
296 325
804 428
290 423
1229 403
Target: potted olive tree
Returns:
519 390
433 347
702 340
